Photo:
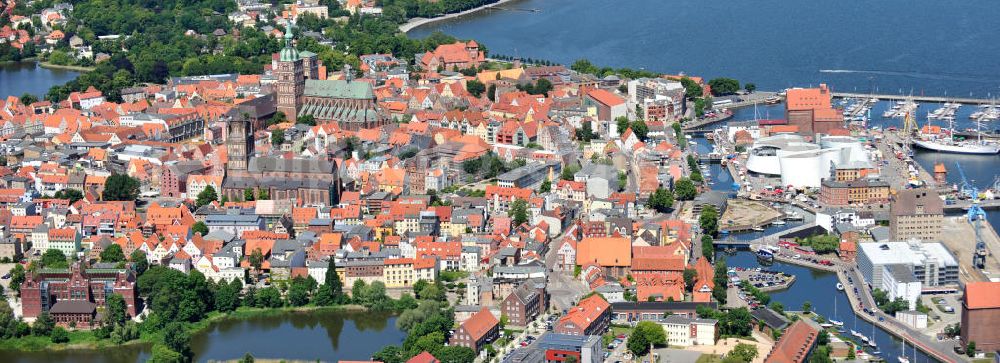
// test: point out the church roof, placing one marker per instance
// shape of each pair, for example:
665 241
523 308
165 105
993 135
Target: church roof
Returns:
339 89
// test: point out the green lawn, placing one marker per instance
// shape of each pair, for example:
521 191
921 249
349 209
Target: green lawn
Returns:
709 358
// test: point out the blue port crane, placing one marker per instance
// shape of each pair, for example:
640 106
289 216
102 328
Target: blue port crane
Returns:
975 215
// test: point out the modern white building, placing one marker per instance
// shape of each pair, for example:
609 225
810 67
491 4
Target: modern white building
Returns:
930 263
804 164
898 282
684 331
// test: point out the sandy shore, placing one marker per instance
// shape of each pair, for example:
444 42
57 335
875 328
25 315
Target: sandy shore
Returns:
416 22
67 67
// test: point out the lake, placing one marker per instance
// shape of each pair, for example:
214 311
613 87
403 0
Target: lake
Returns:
17 79
931 47
325 336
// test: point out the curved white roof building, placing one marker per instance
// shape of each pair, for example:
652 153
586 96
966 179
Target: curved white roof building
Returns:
800 163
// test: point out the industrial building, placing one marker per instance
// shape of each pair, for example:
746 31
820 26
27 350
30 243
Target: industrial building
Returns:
930 263
804 164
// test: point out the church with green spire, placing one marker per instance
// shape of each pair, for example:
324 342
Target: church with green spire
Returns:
301 89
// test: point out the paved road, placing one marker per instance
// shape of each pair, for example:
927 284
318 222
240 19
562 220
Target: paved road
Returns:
562 287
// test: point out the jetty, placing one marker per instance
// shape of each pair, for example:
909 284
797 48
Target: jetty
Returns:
934 99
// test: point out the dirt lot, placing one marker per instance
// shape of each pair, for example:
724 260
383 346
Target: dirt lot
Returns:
742 213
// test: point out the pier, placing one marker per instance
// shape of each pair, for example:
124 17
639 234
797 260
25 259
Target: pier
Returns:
936 99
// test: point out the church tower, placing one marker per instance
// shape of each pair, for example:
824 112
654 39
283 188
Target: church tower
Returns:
290 75
239 144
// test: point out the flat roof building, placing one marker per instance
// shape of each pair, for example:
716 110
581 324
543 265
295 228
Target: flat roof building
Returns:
931 263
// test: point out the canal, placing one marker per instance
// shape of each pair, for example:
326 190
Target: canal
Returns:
307 336
819 289
17 79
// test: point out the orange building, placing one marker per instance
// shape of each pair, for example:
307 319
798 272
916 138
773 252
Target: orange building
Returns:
812 111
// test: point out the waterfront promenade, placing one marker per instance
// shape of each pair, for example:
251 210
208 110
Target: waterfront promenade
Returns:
417 22
941 350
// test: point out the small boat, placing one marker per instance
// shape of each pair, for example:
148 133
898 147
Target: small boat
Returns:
826 325
871 343
856 334
903 359
758 229
778 222
836 322
864 339
840 287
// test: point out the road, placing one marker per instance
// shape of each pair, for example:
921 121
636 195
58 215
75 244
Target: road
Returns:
562 287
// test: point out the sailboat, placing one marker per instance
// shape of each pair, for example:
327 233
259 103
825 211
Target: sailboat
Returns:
871 342
948 144
839 324
902 358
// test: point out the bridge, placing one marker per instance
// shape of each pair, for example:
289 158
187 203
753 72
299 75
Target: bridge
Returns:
774 237
938 99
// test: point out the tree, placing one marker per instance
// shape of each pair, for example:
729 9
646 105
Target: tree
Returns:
199 227
737 322
491 92
227 295
586 132
691 88
750 87
640 129
707 246
646 333
176 338
743 352
519 212
28 99
163 354
621 124
139 261
724 86
823 338
690 275
72 195
248 194
277 137
709 220
59 335
545 187
43 325
571 359
263 194
247 358
53 258
807 307
970 350
117 310
17 278
120 187
475 87
685 189
256 259
306 120
206 196
661 200
269 297
455 354
113 253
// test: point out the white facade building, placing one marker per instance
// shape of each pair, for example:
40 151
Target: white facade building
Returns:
898 282
683 331
800 163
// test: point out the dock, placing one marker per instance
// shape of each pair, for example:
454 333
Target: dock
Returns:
938 350
934 99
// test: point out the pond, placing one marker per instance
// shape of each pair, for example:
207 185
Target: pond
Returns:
314 335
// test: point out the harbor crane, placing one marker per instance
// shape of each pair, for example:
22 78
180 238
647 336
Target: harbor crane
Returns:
975 216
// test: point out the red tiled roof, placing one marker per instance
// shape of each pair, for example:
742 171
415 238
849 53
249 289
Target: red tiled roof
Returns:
480 323
794 345
982 295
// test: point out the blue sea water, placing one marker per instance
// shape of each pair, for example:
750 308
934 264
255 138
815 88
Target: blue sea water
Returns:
897 46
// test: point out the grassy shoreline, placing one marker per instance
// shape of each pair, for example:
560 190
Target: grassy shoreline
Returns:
85 339
65 67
